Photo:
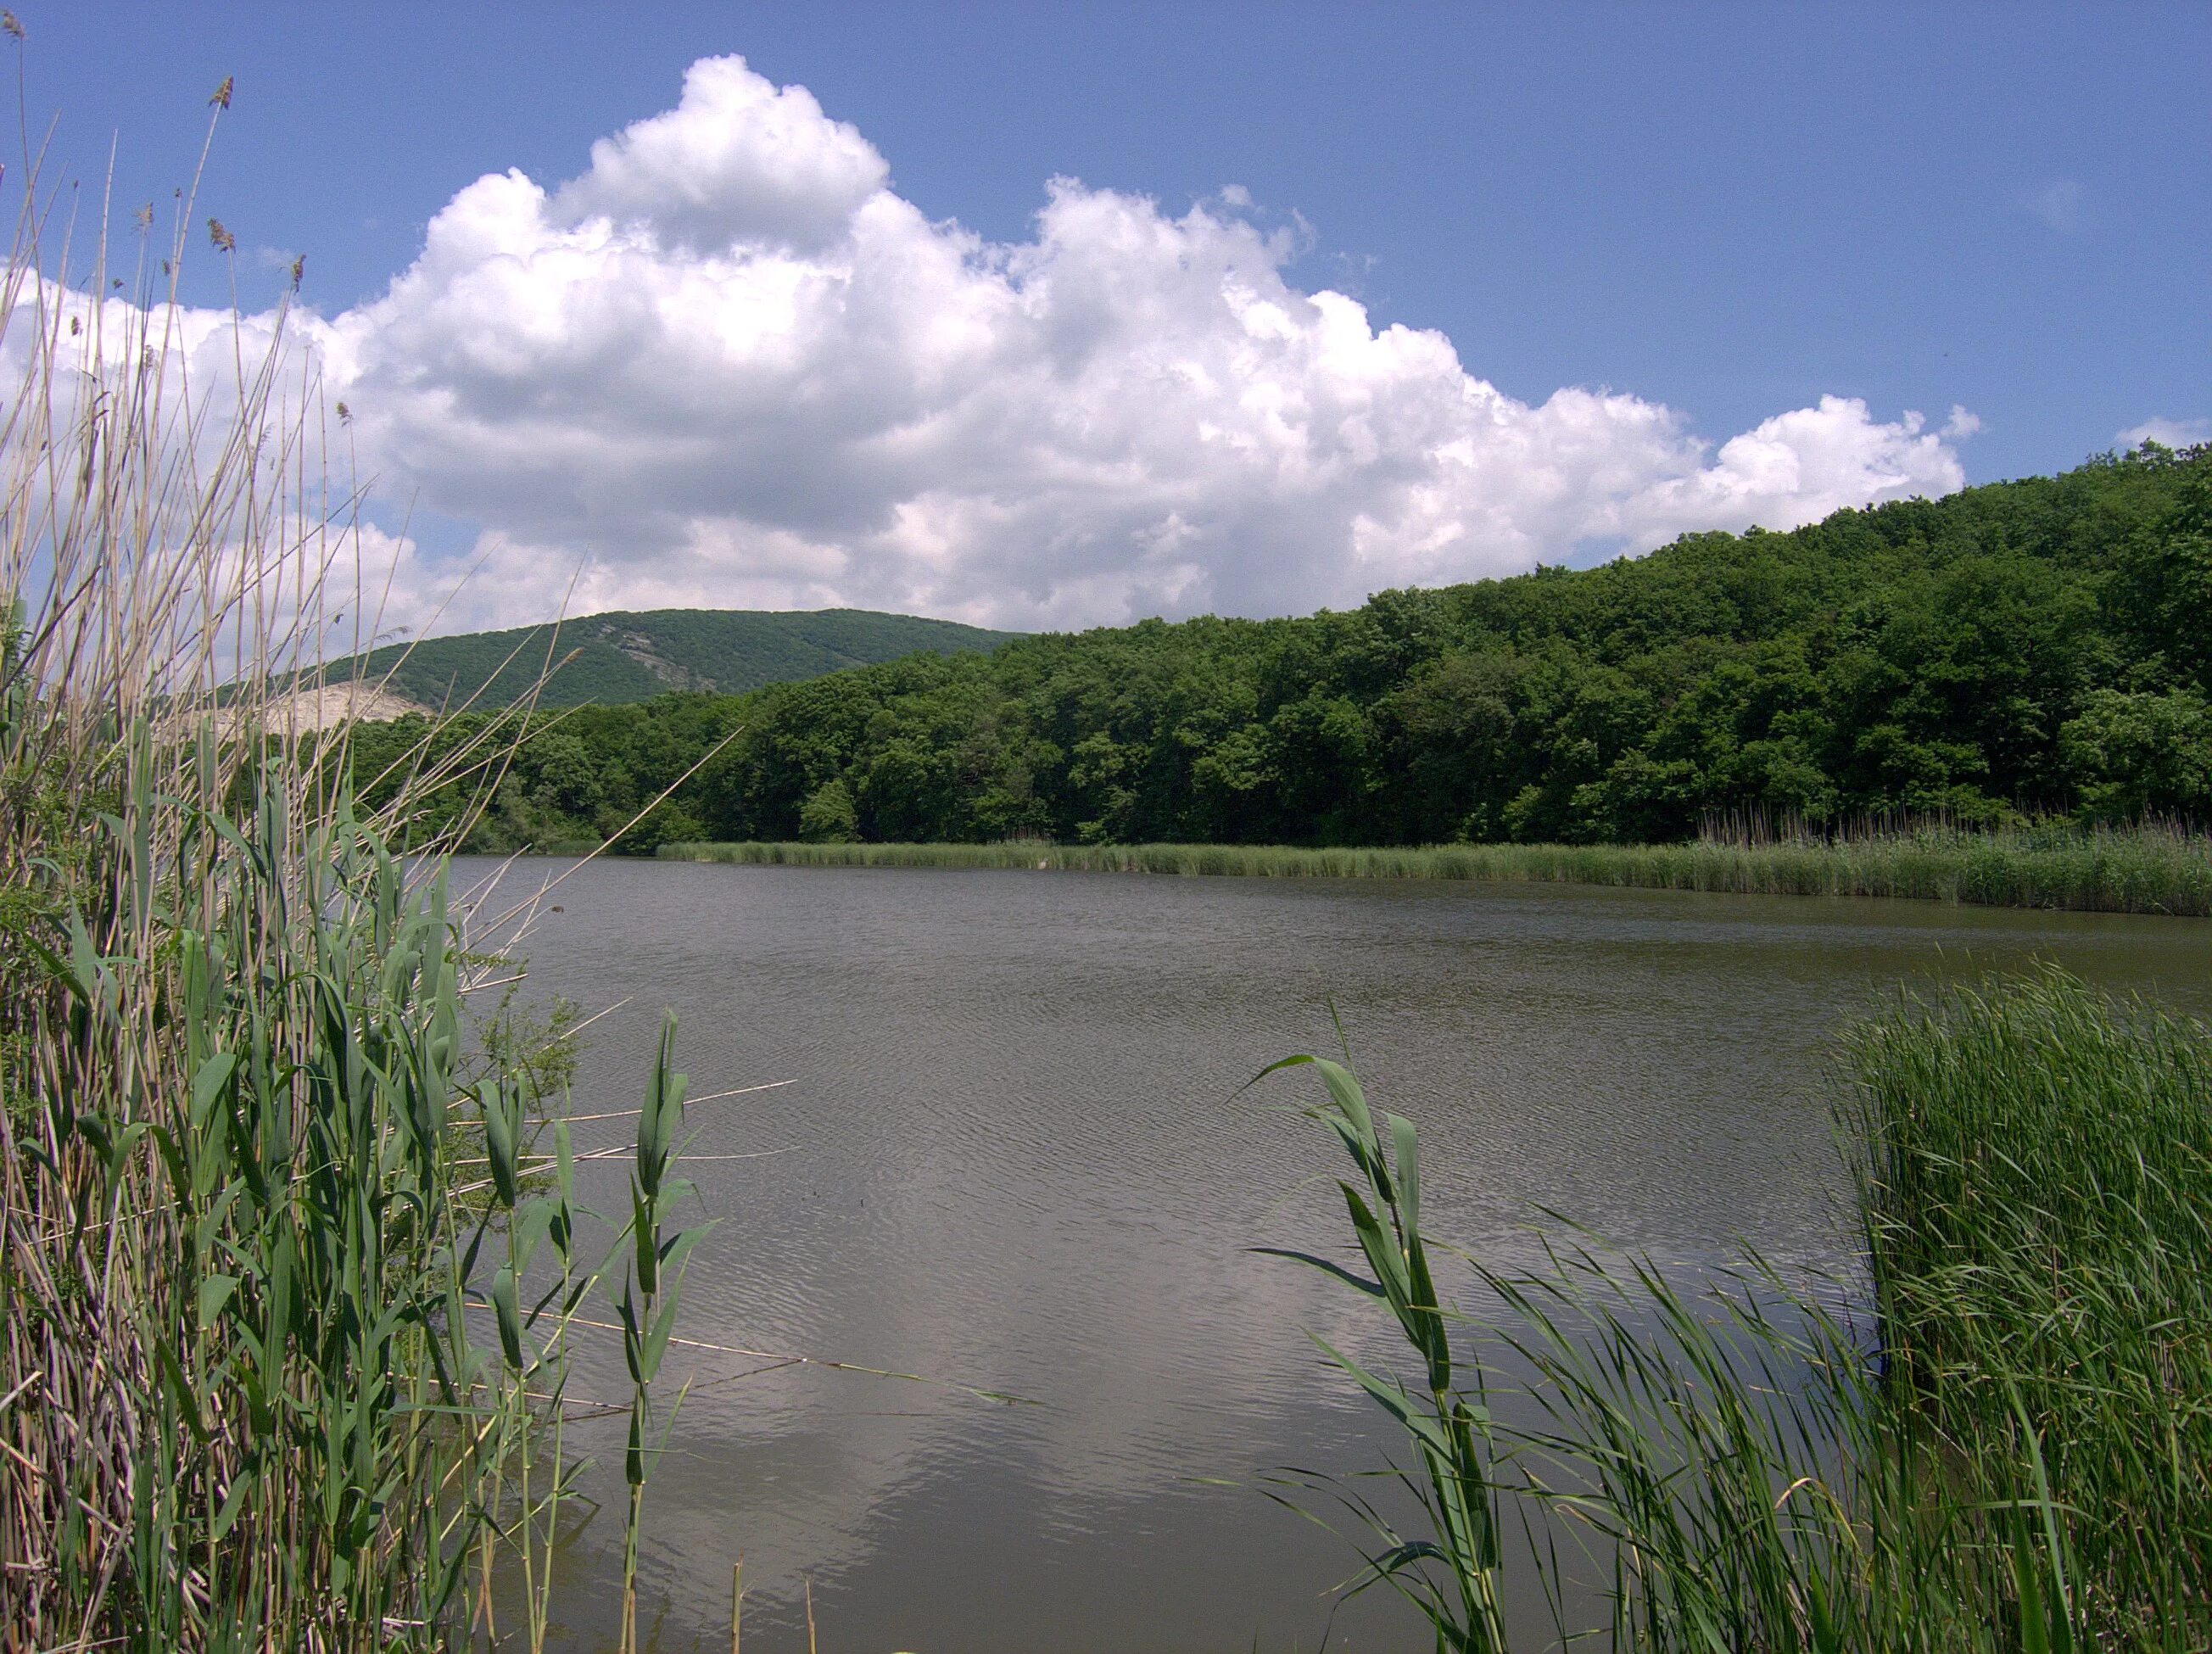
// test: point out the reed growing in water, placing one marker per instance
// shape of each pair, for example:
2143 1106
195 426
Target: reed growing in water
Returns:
2019 1458
285 1285
2152 868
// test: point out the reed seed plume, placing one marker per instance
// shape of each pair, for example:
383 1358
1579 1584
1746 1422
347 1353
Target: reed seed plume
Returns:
288 1270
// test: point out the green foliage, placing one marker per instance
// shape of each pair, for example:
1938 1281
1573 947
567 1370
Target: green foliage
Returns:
2021 1461
580 777
2145 869
2012 651
285 1288
259 1175
2134 753
646 1291
828 816
609 660
1454 1577
2040 1229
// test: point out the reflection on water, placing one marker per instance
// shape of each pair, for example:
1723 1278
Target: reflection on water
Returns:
1013 1154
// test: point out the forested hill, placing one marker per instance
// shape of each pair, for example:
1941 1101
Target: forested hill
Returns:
2025 646
614 658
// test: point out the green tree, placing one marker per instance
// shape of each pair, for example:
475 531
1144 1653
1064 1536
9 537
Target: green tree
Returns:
1959 656
829 816
2138 754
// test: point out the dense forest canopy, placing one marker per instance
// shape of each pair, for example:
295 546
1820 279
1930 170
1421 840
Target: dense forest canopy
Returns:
2025 647
607 659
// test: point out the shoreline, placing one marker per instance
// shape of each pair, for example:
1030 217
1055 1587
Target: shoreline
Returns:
2154 872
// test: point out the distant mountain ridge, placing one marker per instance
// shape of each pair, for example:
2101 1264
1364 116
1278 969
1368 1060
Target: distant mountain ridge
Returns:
611 660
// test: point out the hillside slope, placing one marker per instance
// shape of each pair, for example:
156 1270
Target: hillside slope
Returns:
609 660
2020 648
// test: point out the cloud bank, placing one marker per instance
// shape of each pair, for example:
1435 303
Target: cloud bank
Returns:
730 365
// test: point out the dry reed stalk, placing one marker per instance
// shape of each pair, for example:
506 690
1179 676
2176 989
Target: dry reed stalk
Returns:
737 1599
239 1404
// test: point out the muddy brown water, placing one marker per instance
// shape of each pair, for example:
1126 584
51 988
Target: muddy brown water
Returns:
1013 1154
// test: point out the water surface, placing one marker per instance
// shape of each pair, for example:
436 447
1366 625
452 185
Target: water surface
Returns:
1013 1154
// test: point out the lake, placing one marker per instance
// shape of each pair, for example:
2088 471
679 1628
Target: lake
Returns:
1012 1154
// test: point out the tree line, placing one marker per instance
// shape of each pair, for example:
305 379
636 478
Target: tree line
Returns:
2031 648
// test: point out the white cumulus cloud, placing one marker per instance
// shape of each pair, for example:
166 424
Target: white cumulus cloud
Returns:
729 365
2166 432
738 160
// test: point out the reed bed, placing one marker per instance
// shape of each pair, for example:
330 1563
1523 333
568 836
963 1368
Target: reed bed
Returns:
1998 1438
288 1273
2149 869
2038 1207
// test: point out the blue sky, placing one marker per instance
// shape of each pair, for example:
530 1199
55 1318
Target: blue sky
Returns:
1729 212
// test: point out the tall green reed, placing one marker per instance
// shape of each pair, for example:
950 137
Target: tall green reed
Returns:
308 1445
1996 1438
1449 1427
649 1291
2039 1230
270 1373
2150 868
